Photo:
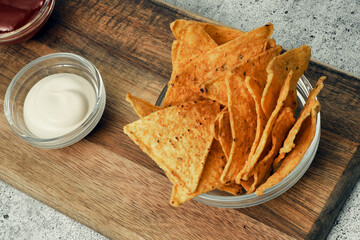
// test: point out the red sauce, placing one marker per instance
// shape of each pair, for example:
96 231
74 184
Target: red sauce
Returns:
16 13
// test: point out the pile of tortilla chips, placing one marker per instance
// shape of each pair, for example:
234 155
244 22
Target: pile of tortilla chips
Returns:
227 121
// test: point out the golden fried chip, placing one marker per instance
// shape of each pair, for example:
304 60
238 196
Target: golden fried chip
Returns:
255 67
271 43
209 180
216 124
194 41
228 55
305 112
302 142
141 106
279 132
233 188
224 135
178 139
296 60
243 126
217 60
264 143
214 62
174 51
253 88
220 34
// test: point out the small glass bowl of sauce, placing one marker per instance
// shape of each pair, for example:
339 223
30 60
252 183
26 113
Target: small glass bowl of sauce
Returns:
21 19
55 100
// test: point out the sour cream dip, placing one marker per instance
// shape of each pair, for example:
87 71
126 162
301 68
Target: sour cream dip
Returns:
58 104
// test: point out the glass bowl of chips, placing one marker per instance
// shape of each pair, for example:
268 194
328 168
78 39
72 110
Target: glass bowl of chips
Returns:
218 198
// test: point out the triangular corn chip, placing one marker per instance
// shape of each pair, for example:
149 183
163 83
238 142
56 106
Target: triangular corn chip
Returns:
220 34
243 126
224 135
232 188
178 139
279 132
255 67
271 43
174 51
296 60
247 184
141 106
209 180
305 112
264 143
218 60
254 90
194 41
217 123
303 141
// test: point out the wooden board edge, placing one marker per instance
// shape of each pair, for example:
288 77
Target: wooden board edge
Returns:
184 12
337 199
334 69
205 19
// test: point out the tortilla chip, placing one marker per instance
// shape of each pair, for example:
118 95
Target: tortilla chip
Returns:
224 135
216 61
216 124
271 43
302 142
178 139
233 188
279 132
278 69
306 111
194 41
174 51
253 87
264 143
141 106
226 56
255 67
220 34
215 89
243 126
210 177
247 184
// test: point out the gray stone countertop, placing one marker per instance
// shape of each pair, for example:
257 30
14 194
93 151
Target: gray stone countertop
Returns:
331 28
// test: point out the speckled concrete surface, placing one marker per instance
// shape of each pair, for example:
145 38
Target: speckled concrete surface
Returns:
331 28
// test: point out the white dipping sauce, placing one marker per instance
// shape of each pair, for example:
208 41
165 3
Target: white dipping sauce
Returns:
58 104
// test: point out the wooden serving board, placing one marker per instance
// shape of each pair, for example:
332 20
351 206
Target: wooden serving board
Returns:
108 184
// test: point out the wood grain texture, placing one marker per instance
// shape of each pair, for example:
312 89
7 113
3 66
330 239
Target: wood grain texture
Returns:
108 184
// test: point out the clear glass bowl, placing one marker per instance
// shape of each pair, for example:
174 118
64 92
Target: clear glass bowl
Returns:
44 66
218 198
28 30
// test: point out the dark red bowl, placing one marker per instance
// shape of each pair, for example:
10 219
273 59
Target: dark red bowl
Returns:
30 28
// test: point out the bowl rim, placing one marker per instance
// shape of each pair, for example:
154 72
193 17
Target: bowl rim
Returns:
248 200
31 26
68 137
